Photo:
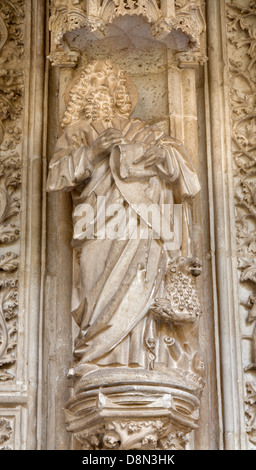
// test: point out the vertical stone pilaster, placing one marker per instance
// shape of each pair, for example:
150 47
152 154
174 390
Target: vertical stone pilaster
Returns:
23 113
228 347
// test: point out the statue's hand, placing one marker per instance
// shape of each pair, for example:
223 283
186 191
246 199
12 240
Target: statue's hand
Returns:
154 155
105 142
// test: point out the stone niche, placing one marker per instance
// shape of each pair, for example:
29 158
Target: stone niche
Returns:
160 50
130 43
159 46
168 361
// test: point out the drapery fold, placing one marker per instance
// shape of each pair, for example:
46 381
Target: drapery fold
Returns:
115 281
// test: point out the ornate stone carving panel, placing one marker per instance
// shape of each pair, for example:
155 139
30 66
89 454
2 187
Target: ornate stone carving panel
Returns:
250 410
6 434
8 322
10 428
160 409
12 19
241 23
11 106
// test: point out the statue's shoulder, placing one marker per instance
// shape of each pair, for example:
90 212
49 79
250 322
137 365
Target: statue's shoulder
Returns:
76 127
72 136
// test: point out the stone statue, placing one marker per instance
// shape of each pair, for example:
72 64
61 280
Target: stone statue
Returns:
125 177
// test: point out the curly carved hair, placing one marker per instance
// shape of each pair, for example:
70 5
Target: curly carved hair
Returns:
78 95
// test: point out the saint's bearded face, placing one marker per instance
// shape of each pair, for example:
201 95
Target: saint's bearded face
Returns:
107 96
101 93
99 105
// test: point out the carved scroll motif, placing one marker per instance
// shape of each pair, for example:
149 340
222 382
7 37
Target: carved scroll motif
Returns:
11 106
241 23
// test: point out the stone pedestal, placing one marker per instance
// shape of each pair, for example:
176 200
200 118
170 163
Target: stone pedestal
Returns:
123 409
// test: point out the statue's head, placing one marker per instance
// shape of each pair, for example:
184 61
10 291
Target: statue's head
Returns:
100 92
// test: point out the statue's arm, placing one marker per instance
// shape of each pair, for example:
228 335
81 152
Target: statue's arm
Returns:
178 169
171 161
161 157
69 168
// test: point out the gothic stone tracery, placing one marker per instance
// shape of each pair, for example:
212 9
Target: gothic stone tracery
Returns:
183 18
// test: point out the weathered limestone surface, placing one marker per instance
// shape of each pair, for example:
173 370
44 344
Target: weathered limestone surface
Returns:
117 81
145 61
136 305
12 83
241 20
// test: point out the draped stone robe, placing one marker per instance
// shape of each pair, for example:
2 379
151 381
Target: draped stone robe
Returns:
116 280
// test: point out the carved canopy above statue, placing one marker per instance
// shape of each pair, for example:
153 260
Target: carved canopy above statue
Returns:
178 23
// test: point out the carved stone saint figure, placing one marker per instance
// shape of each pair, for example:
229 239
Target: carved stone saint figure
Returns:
118 168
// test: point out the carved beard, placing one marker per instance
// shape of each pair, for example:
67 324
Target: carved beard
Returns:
123 102
99 105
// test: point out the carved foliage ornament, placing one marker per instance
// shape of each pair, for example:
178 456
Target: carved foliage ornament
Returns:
128 435
242 46
250 410
11 105
8 327
6 431
163 16
241 24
